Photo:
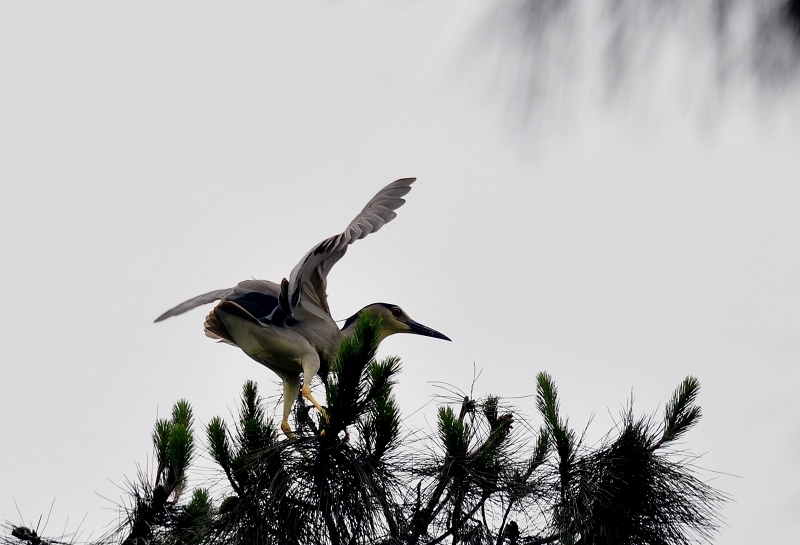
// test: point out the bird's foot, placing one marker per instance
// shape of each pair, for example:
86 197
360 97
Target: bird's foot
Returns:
307 394
346 434
287 431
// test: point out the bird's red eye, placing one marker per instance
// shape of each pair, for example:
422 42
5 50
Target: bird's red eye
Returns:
396 312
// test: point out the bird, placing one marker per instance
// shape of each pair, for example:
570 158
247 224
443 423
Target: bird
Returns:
282 326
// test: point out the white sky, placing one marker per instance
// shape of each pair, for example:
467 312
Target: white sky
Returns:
153 151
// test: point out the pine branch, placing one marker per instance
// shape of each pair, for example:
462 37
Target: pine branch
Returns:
562 436
217 434
680 413
531 488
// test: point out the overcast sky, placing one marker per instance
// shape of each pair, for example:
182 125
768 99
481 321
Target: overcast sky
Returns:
620 221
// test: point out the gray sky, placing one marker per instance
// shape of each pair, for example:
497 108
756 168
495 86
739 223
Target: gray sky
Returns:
620 240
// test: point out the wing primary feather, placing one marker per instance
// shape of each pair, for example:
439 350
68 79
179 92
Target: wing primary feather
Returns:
194 302
323 246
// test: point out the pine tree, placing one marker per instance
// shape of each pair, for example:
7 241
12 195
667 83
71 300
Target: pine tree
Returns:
480 478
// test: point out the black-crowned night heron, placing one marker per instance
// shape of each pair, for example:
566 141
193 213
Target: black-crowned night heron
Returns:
282 327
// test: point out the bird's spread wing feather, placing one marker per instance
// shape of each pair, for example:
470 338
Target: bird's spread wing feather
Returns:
307 283
195 302
260 297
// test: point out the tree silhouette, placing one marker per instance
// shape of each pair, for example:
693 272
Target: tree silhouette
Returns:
482 477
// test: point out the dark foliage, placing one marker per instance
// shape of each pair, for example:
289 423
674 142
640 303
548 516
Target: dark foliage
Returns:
353 478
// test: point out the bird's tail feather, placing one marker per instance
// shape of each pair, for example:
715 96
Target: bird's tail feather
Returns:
215 329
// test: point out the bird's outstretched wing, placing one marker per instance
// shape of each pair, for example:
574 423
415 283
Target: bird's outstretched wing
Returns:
259 297
307 283
194 302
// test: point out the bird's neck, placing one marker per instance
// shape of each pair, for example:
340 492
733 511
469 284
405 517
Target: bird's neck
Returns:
350 330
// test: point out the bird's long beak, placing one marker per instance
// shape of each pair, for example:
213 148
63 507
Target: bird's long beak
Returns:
425 331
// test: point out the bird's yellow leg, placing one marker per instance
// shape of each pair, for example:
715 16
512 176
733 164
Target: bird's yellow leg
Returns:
290 386
307 394
310 367
287 431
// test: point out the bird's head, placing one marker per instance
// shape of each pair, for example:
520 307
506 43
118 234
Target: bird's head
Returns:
393 320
